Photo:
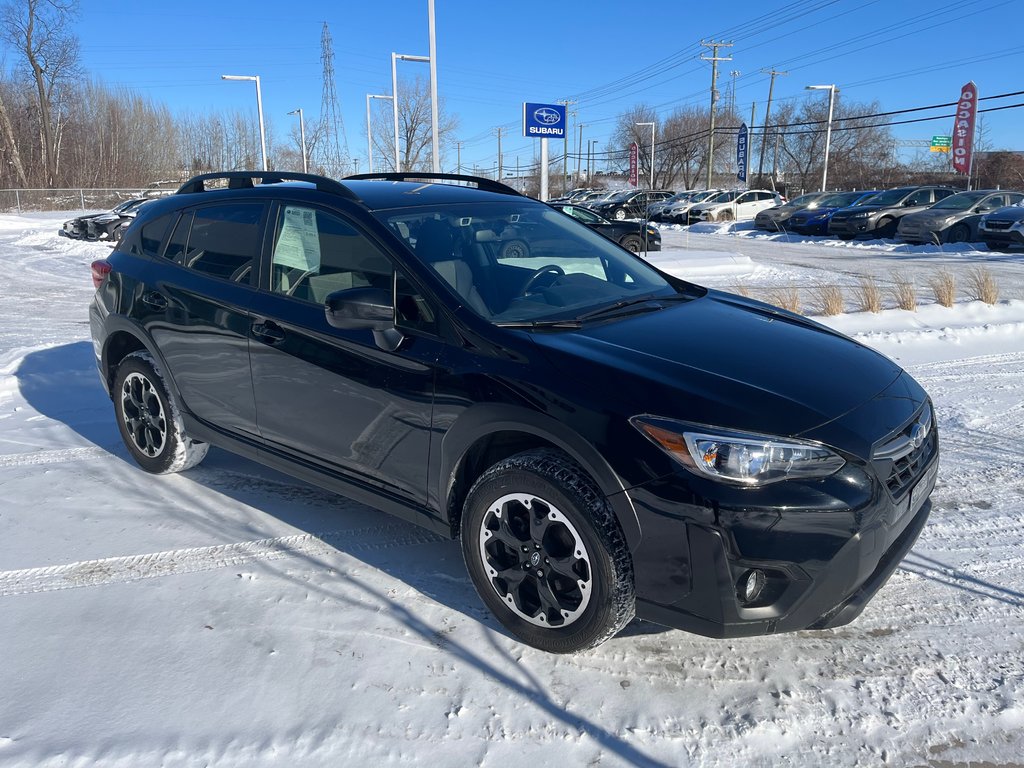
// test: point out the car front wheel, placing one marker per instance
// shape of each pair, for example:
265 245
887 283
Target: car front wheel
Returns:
632 243
959 234
546 554
150 424
619 214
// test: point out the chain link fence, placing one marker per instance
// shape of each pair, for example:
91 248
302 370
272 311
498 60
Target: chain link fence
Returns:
21 200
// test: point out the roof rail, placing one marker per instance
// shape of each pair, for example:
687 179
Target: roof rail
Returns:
488 185
244 180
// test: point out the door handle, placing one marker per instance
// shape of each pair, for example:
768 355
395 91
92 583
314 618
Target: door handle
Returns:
155 300
269 332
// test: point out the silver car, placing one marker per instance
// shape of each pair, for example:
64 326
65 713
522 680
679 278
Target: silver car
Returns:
954 219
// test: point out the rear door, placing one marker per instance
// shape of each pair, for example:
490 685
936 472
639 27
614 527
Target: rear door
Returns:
329 398
198 299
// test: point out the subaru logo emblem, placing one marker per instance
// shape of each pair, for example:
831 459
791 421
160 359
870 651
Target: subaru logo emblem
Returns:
918 435
547 116
535 559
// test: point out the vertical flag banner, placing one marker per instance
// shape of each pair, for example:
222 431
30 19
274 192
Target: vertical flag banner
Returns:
741 153
963 128
634 152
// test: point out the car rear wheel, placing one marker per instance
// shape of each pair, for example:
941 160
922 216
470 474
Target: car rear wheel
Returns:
546 554
620 214
514 249
725 216
632 243
959 234
150 424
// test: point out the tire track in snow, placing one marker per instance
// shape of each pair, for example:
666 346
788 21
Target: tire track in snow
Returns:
120 570
58 456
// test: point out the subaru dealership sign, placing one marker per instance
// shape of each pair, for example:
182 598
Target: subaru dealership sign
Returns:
544 121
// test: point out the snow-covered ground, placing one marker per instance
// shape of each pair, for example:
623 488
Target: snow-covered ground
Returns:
232 616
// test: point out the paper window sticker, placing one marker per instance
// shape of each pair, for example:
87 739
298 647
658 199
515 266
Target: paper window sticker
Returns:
298 244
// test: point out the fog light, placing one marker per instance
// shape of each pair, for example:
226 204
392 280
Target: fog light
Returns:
751 585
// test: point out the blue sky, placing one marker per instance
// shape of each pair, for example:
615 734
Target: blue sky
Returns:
492 56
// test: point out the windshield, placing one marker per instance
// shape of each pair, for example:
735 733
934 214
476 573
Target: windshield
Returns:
891 196
521 261
618 197
810 200
961 201
722 197
841 200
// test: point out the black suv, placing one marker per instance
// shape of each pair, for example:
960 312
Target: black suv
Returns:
881 216
604 438
631 204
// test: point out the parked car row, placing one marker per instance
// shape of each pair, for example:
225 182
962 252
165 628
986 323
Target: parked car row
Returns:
109 225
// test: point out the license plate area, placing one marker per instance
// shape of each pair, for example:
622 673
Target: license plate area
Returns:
923 488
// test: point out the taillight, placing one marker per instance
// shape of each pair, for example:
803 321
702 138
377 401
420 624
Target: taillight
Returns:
100 269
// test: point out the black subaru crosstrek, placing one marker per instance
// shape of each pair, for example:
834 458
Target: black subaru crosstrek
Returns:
606 439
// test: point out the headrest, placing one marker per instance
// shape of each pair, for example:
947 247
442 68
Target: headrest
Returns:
435 241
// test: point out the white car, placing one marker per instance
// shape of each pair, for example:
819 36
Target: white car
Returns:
677 211
735 205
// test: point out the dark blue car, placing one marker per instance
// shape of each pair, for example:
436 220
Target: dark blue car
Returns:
814 221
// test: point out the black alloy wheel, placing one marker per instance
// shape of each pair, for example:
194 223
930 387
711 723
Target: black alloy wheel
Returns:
632 243
546 554
149 423
959 233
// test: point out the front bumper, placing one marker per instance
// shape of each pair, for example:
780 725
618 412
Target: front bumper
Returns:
824 547
852 227
1002 238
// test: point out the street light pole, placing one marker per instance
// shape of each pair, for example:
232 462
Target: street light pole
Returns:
832 90
259 110
302 133
369 134
394 91
435 144
652 151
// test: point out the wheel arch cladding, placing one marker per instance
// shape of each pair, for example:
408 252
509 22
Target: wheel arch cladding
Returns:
486 434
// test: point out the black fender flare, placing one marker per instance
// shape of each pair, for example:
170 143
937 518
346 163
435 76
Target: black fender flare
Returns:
479 421
114 324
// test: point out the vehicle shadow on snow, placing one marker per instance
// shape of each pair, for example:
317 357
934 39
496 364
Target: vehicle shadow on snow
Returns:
61 383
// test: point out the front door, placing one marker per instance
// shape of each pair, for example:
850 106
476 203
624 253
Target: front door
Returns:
333 398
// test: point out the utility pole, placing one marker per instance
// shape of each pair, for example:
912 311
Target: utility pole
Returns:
498 131
767 115
458 154
565 143
714 59
579 151
732 93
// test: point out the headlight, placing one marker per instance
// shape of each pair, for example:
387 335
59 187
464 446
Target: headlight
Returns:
738 457
860 215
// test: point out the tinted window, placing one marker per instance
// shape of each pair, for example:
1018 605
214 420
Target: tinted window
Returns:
224 240
153 234
179 237
941 193
921 197
317 253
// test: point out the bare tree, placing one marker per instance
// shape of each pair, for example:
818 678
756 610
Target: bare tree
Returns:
39 30
414 130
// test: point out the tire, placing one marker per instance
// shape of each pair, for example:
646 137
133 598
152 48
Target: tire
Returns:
514 249
632 243
960 233
502 533
725 216
150 424
886 228
620 214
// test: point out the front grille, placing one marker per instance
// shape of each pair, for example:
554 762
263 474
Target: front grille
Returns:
907 453
997 224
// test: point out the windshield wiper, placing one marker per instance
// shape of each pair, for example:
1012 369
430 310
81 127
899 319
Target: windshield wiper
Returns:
653 302
569 323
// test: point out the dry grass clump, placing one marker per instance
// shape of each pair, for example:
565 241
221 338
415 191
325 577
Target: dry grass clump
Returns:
869 295
787 297
741 289
982 285
904 292
828 299
943 285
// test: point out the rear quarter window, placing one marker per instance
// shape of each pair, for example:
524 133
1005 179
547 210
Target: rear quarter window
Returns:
152 235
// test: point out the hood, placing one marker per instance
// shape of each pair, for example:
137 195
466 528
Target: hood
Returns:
928 217
1010 213
726 361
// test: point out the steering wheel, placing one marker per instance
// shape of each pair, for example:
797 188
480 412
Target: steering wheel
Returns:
539 273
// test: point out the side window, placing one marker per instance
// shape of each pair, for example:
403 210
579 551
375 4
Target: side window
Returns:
224 240
179 238
317 253
921 197
153 234
765 196
1013 198
942 193
746 197
411 309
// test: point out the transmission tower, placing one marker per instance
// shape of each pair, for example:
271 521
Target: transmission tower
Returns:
333 157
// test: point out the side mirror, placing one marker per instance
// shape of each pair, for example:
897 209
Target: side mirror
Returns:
371 309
